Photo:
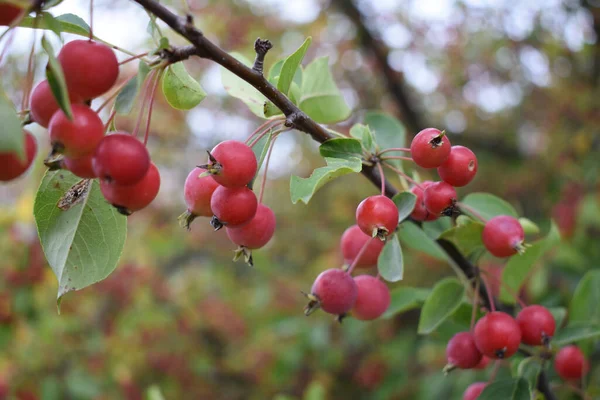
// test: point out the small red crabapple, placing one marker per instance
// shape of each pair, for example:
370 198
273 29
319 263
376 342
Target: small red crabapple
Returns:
503 236
373 298
129 198
232 164
461 352
485 360
197 192
352 242
537 325
570 363
377 216
334 291
11 166
9 13
78 136
43 105
497 335
474 390
430 148
420 212
439 198
121 158
253 235
80 166
233 206
459 168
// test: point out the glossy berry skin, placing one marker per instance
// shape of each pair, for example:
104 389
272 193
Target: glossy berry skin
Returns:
11 166
197 192
373 298
77 137
439 198
9 13
130 198
497 335
570 363
352 242
462 352
429 148
336 291
121 158
420 212
503 236
485 360
537 325
43 105
81 166
237 163
256 233
459 168
233 206
377 213
474 390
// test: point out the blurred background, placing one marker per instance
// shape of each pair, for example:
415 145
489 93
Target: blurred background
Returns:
516 81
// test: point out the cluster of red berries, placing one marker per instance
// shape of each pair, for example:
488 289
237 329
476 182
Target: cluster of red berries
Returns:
9 13
219 189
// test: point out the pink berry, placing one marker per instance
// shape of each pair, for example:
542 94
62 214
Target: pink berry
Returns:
503 236
353 241
233 206
232 163
485 360
430 148
373 298
130 198
461 351
377 215
459 168
78 136
334 291
198 191
80 166
420 212
497 335
439 198
570 363
43 105
121 158
474 390
537 325
11 166
256 233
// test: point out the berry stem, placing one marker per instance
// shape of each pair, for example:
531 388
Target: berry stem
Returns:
359 255
471 210
475 304
402 174
264 179
396 158
150 106
494 371
382 175
489 295
114 94
266 131
91 20
133 58
262 127
112 115
146 89
393 149
505 286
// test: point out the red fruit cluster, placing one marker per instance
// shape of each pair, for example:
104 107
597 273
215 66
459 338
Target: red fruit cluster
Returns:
13 166
503 236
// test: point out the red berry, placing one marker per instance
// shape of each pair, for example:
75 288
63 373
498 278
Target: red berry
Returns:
198 191
79 136
373 298
256 233
81 166
11 166
459 168
570 363
43 105
474 390
537 325
232 163
233 206
335 291
420 212
130 198
90 68
439 198
462 352
430 148
377 215
121 158
503 236
352 242
497 335
485 360
9 13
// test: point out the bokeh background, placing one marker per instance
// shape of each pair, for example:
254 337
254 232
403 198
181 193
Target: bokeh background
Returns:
516 81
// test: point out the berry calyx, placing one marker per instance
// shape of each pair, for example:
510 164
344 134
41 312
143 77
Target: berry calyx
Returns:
130 198
430 148
76 137
373 298
334 291
9 13
570 363
233 206
197 192
497 335
80 166
377 216
474 390
231 163
420 212
459 168
43 105
120 158
440 198
537 325
90 68
353 240
11 165
253 235
503 236
461 352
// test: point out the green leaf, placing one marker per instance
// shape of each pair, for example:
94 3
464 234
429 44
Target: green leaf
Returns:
404 299
559 314
466 237
302 189
529 369
242 90
434 229
488 206
443 301
295 93
126 97
290 66
51 23
154 393
275 71
416 239
364 134
506 389
518 267
68 23
390 263
84 243
389 132
321 99
315 391
345 148
56 80
260 149
575 332
270 109
12 139
405 201
586 299
529 226
181 90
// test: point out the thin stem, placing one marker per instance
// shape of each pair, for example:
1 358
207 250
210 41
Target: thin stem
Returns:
262 134
122 50
472 211
382 175
150 106
505 286
393 149
408 178
360 253
396 158
147 86
494 371
262 126
91 20
264 179
475 304
112 115
114 94
489 295
133 58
